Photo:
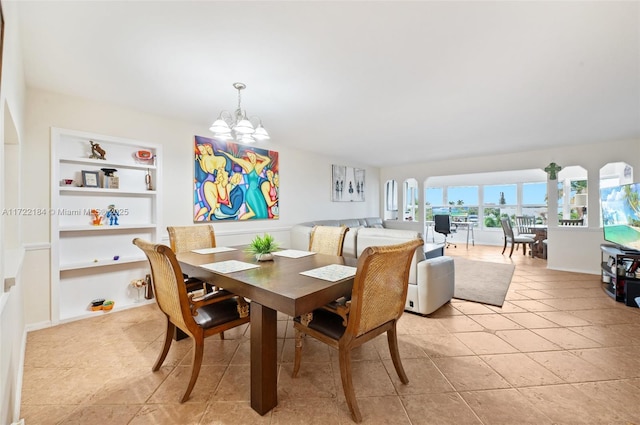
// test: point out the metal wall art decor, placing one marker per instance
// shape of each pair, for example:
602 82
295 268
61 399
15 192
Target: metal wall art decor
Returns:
347 184
234 182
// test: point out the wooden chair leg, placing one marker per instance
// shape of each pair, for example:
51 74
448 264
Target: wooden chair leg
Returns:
344 356
168 338
392 338
298 354
504 248
524 249
198 349
512 245
221 335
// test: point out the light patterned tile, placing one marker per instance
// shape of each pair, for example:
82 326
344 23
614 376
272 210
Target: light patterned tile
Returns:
469 373
527 341
504 406
495 322
566 338
439 409
520 370
564 404
424 377
485 343
563 318
569 367
530 320
533 305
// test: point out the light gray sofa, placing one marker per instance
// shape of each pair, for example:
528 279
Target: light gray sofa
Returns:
431 281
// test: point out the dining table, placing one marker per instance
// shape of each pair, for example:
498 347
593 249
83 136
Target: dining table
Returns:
540 234
271 287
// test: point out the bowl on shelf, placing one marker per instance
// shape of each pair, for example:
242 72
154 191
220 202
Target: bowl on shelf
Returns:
67 182
97 304
107 305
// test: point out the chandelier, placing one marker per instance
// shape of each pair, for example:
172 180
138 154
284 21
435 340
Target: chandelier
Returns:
237 126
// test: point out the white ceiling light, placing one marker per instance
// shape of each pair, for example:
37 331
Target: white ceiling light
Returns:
237 126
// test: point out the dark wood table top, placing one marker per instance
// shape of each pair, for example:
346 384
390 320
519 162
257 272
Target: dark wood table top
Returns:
276 284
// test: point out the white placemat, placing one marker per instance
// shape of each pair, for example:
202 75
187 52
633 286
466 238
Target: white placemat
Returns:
229 266
332 273
212 250
292 253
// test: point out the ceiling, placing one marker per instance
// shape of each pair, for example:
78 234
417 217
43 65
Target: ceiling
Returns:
379 83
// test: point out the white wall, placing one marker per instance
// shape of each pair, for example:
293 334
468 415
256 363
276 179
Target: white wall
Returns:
12 334
575 249
305 179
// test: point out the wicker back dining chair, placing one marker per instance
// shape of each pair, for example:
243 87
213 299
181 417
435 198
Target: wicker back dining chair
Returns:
327 239
377 301
187 238
198 317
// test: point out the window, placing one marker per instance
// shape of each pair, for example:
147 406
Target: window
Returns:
434 197
487 197
463 202
534 201
391 200
572 194
499 201
410 200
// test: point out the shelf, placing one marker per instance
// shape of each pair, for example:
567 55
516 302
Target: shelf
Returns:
106 228
85 313
82 264
100 263
102 191
108 164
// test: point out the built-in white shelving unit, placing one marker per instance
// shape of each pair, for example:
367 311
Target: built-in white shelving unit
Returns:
99 261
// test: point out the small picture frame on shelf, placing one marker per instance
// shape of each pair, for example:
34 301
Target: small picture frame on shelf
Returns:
90 178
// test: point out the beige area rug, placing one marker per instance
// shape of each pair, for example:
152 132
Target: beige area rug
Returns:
481 281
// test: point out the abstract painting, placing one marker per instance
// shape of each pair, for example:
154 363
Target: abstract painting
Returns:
347 184
234 182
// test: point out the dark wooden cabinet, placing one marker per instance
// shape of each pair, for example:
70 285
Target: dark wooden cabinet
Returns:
621 274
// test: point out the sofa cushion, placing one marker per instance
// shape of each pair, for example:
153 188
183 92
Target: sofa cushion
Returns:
349 246
300 233
380 237
299 236
327 223
374 222
351 222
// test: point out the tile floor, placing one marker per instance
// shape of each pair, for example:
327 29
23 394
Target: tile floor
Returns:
559 351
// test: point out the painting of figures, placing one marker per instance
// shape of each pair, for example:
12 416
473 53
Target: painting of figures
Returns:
234 182
347 184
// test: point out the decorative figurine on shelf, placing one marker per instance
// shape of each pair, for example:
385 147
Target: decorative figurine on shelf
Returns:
96 151
111 181
112 215
139 285
147 180
96 218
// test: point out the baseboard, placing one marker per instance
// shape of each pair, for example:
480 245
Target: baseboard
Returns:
18 398
37 326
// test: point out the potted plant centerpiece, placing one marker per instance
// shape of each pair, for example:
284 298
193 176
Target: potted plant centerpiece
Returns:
262 247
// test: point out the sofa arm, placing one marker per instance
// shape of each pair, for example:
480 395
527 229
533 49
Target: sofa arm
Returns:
300 236
436 283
